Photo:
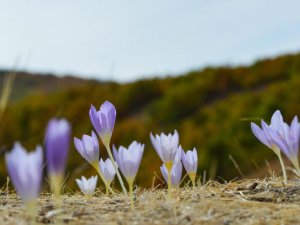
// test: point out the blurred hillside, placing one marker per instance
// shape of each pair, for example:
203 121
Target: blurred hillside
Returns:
210 108
27 84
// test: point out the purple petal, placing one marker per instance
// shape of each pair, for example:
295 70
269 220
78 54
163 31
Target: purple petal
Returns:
57 144
276 120
259 134
94 119
25 171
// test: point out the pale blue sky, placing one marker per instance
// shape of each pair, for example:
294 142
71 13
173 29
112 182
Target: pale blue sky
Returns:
129 39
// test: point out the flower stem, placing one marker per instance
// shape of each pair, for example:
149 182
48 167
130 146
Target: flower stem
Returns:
169 168
116 168
295 163
169 182
193 183
130 184
193 178
283 168
106 189
31 209
56 181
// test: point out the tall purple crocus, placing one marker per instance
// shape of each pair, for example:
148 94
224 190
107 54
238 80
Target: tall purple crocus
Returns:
57 145
104 120
176 173
129 161
25 171
190 162
267 135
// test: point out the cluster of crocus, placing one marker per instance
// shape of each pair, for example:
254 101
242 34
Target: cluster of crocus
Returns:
127 160
88 148
169 151
25 169
103 122
280 137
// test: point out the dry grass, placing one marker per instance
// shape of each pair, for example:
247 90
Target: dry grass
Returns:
241 202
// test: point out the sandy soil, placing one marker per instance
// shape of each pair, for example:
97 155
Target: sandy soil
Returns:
241 202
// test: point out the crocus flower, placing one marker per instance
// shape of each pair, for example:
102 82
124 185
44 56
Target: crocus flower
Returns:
88 148
57 146
104 121
87 186
287 139
129 159
107 169
263 134
190 162
25 171
267 133
176 173
166 147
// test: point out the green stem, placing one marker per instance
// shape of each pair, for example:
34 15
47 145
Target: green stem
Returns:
193 178
116 168
31 210
193 182
169 182
106 190
295 163
283 168
130 184
56 181
169 166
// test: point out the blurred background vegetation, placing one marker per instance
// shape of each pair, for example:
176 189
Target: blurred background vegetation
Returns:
211 109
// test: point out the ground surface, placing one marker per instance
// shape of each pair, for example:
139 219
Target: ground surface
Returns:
242 202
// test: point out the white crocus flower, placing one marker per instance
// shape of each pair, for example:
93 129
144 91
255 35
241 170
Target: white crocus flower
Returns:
107 169
166 147
87 186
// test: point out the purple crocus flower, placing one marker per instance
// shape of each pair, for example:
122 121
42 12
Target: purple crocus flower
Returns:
176 173
25 171
166 147
107 169
88 148
279 135
287 139
268 135
57 145
190 162
264 134
129 159
104 120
